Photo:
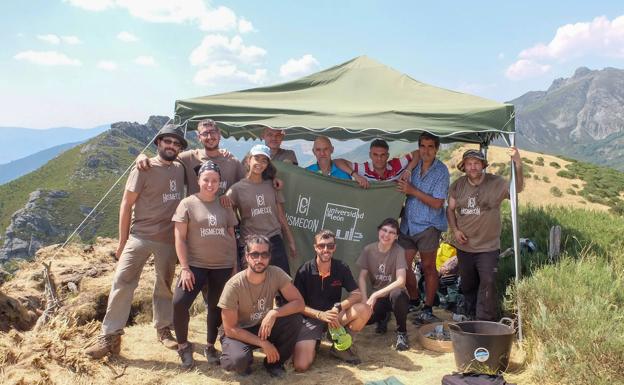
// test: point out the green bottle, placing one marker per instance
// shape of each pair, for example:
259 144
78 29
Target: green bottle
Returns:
342 339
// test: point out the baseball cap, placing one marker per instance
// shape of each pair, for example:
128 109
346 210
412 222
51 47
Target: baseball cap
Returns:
260 149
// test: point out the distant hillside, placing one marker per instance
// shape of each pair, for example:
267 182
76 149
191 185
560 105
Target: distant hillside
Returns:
27 141
580 117
19 167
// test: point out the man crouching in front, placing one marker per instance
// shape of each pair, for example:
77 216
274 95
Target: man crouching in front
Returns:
249 319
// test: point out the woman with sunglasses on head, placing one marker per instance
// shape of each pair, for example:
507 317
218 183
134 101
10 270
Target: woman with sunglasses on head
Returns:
383 263
206 248
261 207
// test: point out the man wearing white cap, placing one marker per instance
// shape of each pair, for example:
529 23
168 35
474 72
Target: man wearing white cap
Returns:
474 217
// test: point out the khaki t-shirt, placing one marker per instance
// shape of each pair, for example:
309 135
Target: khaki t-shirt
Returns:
257 205
382 267
160 189
209 244
253 302
231 169
286 155
478 212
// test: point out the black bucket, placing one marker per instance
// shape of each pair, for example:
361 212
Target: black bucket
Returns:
481 346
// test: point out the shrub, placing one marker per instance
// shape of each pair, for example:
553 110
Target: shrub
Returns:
536 177
554 164
546 179
575 185
566 174
554 190
527 160
570 191
539 161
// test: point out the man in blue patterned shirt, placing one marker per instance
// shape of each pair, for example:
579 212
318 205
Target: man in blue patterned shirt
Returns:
423 219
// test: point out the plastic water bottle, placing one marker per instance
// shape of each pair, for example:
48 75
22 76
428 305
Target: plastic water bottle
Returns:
342 339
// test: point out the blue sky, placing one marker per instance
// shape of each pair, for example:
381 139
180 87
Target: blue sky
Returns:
83 63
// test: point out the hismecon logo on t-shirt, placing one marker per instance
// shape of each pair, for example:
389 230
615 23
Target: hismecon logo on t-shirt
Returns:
173 194
260 210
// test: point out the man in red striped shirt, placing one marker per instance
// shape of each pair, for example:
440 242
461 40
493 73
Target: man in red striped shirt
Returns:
379 168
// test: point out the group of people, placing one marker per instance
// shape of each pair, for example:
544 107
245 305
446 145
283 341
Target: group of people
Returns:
228 235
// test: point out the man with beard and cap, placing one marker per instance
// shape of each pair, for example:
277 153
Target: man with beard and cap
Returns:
474 218
145 229
209 135
249 319
273 139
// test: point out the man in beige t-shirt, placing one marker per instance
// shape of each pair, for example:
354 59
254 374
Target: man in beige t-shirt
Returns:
273 139
474 218
249 319
145 229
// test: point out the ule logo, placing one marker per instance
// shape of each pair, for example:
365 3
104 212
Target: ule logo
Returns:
212 220
342 220
303 205
472 202
173 186
260 199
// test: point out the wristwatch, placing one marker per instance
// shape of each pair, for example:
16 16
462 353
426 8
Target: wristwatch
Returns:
338 306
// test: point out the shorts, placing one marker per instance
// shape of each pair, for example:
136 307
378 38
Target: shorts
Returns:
425 241
311 330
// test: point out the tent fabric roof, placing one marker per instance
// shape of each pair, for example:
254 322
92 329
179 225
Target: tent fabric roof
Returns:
361 98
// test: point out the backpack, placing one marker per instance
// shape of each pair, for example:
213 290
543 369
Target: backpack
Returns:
473 379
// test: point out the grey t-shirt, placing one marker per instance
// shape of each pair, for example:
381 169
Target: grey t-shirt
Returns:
381 266
257 205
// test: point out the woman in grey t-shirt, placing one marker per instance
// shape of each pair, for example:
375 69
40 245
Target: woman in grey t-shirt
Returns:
261 207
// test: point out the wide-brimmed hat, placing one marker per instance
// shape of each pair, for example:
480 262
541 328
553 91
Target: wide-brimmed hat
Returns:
174 130
472 154
260 149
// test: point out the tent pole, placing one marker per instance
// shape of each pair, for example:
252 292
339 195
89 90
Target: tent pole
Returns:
483 147
513 198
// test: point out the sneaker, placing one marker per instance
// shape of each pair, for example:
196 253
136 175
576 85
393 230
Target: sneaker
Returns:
425 317
414 306
166 338
382 326
212 355
276 371
347 355
402 342
186 356
105 344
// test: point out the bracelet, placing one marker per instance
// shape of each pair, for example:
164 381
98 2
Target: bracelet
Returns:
318 315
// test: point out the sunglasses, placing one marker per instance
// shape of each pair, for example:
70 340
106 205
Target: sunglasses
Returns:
326 246
207 133
257 255
171 142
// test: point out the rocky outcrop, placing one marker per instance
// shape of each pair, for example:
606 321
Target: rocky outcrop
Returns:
34 225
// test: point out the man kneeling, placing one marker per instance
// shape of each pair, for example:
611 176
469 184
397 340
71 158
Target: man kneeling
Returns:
320 281
249 319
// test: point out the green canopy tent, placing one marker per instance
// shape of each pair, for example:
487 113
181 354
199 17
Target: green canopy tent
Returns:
359 99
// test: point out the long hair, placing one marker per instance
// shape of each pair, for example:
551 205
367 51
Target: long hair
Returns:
268 174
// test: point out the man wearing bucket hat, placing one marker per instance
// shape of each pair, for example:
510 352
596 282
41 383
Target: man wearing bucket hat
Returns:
145 229
474 218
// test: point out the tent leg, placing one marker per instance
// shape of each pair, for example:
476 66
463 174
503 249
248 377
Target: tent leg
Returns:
483 147
513 198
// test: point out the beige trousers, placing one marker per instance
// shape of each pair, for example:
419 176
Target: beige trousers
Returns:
127 274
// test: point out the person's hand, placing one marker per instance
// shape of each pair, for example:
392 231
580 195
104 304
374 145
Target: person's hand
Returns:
363 182
406 175
187 279
225 153
142 162
515 155
267 324
293 249
460 236
371 301
278 184
119 250
333 317
226 201
271 353
405 187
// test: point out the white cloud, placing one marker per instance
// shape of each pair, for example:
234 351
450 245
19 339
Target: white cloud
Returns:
71 40
598 37
127 37
50 38
523 69
92 5
107 65
220 48
224 72
218 19
147 61
299 67
47 58
245 25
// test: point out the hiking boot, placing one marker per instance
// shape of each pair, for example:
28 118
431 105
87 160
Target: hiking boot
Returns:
425 317
276 371
166 338
212 355
347 356
186 356
414 306
402 342
382 326
110 343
